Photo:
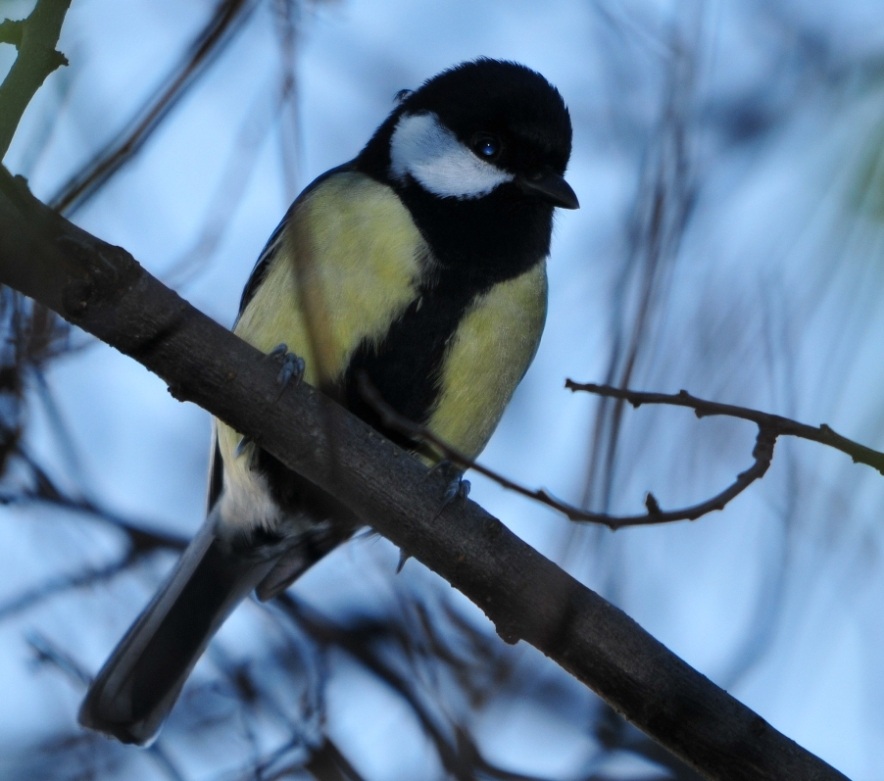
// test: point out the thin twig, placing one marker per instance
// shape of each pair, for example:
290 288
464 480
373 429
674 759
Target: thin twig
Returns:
776 424
769 428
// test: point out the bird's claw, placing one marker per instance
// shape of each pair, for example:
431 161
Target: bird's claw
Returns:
291 366
456 488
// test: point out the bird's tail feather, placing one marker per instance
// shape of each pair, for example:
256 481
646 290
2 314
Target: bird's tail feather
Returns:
138 685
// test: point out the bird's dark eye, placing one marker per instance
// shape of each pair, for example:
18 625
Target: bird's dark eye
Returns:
486 146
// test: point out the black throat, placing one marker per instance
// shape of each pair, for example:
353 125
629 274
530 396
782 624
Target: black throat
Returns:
482 241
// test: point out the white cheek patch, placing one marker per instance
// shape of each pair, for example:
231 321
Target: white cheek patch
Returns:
431 153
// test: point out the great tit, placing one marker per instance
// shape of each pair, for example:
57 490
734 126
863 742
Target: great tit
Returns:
419 268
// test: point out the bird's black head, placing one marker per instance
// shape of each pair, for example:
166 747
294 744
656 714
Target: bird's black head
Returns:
478 154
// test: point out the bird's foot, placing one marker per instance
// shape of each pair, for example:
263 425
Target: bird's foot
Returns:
456 488
291 366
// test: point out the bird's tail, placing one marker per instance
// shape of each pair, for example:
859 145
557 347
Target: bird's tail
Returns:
138 685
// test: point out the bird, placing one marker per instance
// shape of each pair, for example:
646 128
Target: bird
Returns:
417 269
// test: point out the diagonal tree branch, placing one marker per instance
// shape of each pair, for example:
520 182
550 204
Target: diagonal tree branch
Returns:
35 39
103 290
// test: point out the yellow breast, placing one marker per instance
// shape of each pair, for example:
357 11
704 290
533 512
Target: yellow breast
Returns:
348 262
490 352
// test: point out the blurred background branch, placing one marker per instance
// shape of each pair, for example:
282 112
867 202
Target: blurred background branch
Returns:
228 17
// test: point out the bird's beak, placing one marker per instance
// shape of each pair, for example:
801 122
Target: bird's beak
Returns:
551 187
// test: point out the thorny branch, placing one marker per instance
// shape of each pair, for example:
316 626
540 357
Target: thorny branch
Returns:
776 425
770 428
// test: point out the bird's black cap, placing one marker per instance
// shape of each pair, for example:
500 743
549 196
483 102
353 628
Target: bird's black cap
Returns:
501 97
496 96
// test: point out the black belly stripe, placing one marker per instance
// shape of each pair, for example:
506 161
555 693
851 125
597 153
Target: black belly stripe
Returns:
405 369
